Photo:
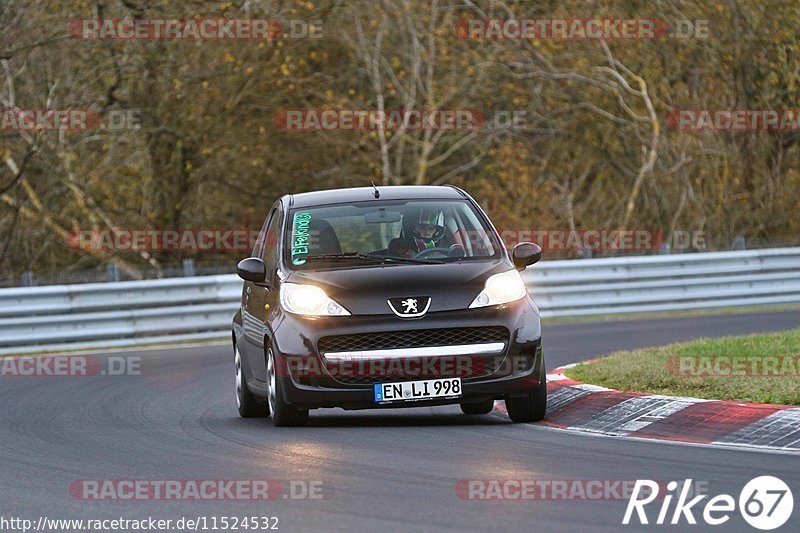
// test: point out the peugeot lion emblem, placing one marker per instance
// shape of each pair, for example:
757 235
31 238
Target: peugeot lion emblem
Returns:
413 307
409 306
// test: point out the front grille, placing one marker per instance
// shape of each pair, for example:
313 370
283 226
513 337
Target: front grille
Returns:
368 372
412 339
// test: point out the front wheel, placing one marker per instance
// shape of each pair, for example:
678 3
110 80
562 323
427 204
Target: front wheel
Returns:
531 408
249 406
281 412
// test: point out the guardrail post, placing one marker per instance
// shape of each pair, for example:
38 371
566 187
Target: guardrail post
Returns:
188 268
739 243
112 272
27 279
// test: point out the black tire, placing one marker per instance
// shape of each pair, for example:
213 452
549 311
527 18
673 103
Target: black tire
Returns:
282 413
249 406
533 407
482 407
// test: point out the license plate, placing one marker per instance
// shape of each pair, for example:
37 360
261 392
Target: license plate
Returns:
417 390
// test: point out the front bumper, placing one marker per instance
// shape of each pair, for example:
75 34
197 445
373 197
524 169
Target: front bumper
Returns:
512 372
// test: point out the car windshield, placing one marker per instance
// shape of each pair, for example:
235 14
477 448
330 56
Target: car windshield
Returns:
399 231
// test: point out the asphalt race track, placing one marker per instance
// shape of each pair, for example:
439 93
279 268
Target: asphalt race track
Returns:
393 470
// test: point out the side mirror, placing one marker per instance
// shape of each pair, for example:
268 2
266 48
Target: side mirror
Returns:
525 254
252 269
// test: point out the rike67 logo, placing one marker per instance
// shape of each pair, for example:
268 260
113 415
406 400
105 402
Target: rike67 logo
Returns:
765 503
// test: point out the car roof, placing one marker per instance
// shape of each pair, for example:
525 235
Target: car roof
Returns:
388 192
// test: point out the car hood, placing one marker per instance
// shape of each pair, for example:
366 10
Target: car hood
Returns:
365 290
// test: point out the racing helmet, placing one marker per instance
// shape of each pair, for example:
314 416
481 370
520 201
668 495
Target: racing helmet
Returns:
428 216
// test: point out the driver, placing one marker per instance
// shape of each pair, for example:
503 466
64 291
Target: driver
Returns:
426 232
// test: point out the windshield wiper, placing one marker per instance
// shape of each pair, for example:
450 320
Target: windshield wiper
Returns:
409 259
373 258
353 255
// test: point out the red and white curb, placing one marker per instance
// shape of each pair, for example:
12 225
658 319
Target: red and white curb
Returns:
588 408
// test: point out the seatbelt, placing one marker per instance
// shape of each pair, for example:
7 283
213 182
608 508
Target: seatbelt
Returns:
422 245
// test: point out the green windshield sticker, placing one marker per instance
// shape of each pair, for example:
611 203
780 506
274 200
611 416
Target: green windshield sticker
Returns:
300 238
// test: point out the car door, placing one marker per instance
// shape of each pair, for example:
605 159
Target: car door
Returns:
258 299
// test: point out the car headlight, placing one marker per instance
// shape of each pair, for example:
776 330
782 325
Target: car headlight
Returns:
501 289
309 300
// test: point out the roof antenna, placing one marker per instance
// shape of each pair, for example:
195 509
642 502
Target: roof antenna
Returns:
377 193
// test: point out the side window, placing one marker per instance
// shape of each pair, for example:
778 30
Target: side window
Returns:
270 239
259 247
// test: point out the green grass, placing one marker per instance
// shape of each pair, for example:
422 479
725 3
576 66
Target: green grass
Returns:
657 370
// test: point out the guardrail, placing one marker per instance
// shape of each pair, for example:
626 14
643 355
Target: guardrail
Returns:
666 282
101 315
105 315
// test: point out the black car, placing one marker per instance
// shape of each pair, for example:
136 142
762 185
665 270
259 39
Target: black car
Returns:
386 297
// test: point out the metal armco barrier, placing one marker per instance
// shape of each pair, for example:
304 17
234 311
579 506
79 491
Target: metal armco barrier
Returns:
666 282
104 315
